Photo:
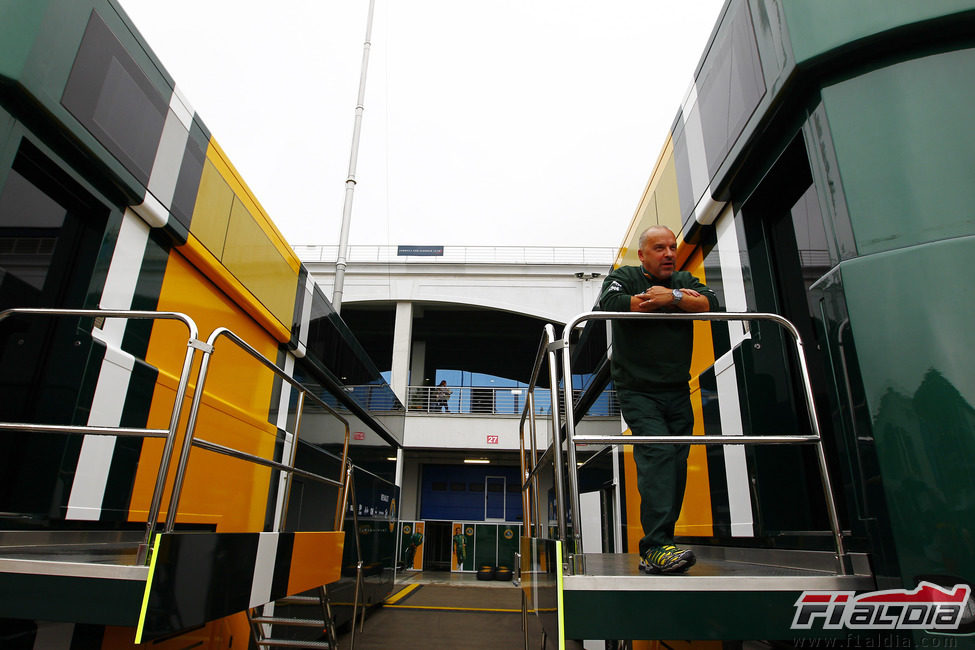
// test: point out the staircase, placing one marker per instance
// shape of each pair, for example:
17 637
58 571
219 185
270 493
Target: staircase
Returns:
287 628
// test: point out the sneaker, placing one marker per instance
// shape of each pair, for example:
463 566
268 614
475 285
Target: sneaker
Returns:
667 559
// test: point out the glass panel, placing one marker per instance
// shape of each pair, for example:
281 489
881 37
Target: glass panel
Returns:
814 254
333 348
730 85
123 111
682 164
112 97
30 222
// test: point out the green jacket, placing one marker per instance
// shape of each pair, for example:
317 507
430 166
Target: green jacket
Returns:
649 355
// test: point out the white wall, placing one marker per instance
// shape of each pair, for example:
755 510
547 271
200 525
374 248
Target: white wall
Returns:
551 292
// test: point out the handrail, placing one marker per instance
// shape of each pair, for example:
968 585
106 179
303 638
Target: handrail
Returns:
489 401
572 440
529 476
547 347
192 345
189 440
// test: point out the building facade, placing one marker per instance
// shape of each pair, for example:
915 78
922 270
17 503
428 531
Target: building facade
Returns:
470 320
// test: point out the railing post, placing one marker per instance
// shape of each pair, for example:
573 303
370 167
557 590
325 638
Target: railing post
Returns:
184 455
834 520
559 464
525 513
570 447
191 347
533 495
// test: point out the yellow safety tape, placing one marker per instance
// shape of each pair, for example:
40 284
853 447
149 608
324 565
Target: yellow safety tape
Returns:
558 574
145 596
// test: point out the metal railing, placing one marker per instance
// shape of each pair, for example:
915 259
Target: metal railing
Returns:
372 397
550 348
489 400
529 471
597 255
190 439
193 345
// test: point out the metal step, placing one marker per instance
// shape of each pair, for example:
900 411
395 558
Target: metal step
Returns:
284 620
742 593
110 555
726 569
299 600
292 643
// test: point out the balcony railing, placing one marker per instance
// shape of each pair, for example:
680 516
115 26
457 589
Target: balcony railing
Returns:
599 255
480 400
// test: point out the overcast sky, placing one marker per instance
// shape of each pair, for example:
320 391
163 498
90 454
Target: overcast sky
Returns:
502 122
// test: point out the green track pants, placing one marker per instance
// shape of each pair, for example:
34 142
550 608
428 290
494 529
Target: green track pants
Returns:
661 470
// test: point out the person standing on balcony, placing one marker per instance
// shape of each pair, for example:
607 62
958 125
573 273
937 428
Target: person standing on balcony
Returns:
651 362
440 397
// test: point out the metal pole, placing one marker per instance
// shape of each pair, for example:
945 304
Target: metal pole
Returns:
525 516
340 263
359 562
167 454
553 375
834 519
570 448
184 455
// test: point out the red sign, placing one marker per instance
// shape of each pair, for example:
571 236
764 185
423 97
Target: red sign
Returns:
359 435
492 440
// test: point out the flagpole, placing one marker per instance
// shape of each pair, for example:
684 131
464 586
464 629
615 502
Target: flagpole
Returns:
340 262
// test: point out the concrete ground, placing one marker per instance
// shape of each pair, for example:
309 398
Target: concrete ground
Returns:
447 610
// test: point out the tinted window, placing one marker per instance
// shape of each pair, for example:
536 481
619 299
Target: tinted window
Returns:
814 253
114 100
30 222
332 346
730 85
682 164
50 231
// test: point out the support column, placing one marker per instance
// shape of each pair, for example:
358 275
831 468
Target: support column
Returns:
400 461
399 375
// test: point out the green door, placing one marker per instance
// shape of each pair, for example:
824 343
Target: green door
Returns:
508 545
485 545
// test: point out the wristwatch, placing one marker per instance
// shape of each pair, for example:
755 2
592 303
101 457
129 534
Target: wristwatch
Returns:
678 296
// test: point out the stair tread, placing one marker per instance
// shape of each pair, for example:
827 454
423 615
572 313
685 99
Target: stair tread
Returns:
293 643
299 600
284 620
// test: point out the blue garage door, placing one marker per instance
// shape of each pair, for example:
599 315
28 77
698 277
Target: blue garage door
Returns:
465 493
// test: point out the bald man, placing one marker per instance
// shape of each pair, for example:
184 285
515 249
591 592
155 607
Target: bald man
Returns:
651 363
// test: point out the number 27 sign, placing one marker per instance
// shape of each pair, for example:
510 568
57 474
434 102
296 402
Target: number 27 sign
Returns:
492 440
